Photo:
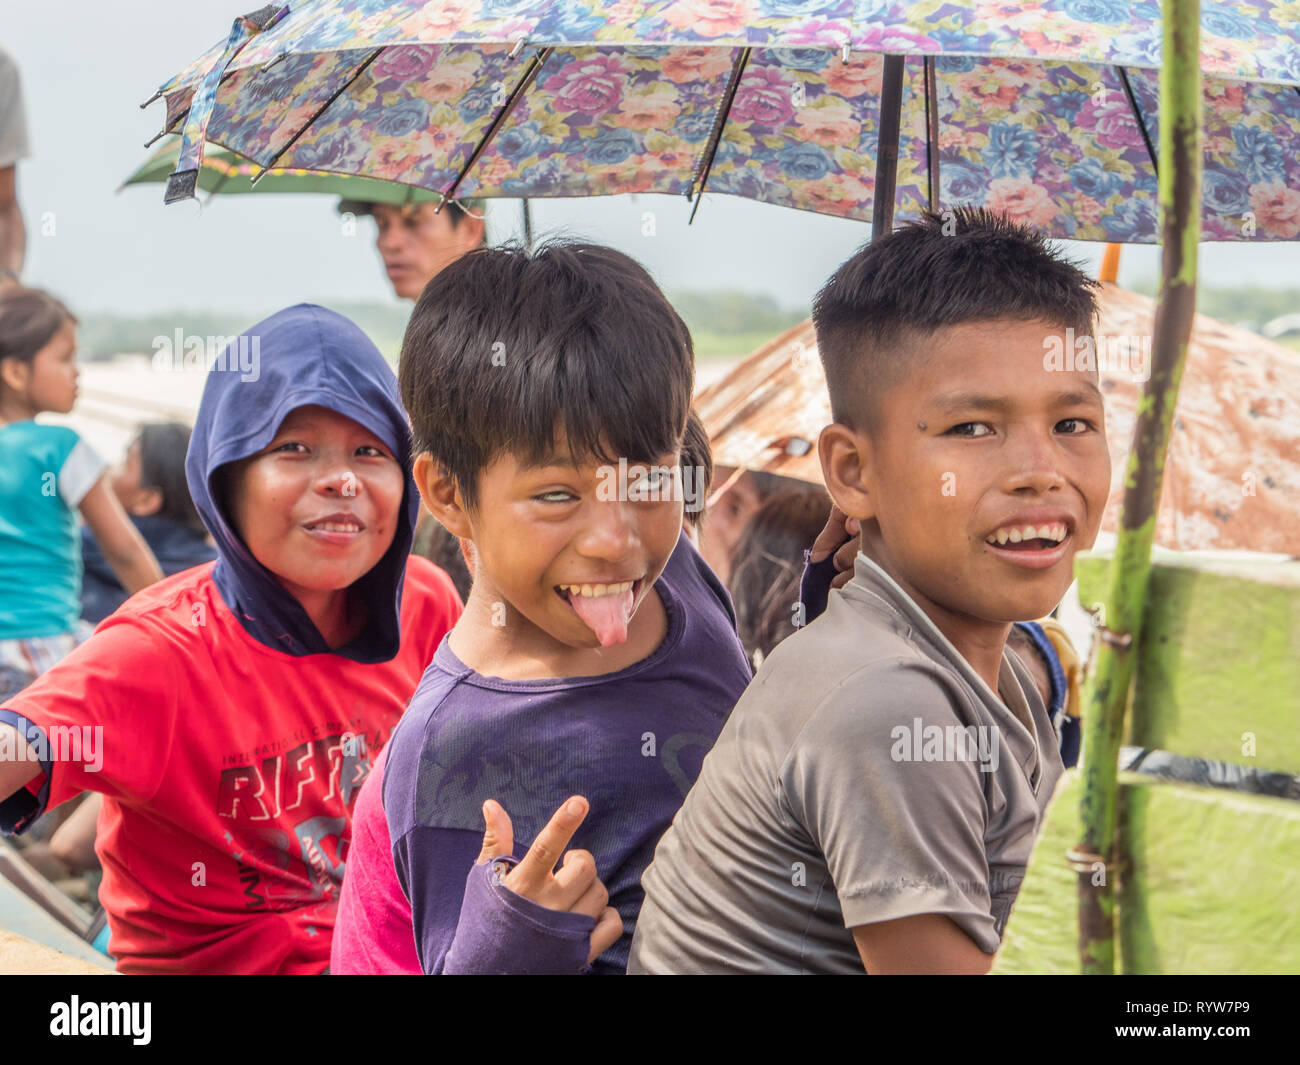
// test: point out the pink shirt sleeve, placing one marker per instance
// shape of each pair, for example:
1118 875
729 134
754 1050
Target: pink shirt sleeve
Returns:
373 932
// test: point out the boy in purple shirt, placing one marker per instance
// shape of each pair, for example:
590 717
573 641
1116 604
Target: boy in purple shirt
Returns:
597 654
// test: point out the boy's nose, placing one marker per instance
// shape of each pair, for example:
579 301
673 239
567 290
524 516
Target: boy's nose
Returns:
611 532
1034 464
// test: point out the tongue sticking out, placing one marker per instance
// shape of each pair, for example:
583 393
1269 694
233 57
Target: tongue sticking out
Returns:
606 615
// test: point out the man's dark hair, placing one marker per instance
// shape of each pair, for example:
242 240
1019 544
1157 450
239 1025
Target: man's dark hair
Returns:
162 466
507 346
456 212
965 265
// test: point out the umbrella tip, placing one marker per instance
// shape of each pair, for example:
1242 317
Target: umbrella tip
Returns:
180 186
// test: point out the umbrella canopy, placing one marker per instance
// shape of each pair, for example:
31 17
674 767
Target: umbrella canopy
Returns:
1232 478
1047 112
226 173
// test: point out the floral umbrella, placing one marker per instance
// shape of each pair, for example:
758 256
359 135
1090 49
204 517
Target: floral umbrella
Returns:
1045 111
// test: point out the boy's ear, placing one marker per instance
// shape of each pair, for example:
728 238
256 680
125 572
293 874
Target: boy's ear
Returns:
846 468
441 496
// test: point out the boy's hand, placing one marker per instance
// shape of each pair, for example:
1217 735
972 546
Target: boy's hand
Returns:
574 889
841 535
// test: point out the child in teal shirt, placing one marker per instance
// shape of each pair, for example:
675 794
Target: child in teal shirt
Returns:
46 473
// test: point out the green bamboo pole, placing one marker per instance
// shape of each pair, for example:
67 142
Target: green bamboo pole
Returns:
1180 224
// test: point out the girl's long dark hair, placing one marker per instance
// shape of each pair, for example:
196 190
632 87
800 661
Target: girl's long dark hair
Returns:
29 319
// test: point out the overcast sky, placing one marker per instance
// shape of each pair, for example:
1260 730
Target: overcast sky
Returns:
88 64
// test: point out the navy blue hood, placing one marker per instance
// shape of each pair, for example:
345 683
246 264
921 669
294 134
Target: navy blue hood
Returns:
302 356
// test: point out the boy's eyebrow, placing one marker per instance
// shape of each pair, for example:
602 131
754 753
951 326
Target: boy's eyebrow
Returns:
982 401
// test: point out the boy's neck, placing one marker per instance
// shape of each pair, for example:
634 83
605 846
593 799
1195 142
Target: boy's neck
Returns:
977 640
496 640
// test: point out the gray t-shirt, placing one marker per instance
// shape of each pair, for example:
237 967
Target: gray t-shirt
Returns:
867 774
13 120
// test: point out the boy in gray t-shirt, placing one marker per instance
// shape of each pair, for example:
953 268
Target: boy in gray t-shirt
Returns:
874 797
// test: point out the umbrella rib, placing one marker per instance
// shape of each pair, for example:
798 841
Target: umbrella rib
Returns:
320 111
534 65
932 133
179 124
891 106
715 136
1137 115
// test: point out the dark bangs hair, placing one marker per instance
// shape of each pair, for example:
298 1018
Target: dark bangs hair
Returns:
961 266
507 348
162 466
29 319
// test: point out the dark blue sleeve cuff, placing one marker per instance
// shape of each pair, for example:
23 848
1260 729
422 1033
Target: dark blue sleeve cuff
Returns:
815 585
21 809
502 932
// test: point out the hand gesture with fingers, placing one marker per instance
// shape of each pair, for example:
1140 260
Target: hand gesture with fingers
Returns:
574 888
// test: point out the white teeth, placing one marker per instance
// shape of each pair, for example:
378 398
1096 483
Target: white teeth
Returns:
1015 535
595 590
330 526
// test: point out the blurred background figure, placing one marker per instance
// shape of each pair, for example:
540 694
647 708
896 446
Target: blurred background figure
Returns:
445 551
415 242
767 562
49 475
730 509
150 485
13 146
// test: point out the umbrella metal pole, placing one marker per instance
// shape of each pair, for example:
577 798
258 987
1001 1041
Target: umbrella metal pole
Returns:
891 105
1096 859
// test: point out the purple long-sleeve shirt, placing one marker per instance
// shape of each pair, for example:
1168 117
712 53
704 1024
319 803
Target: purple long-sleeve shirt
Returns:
631 742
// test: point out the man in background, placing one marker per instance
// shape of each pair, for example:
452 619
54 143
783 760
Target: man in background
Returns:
13 146
416 241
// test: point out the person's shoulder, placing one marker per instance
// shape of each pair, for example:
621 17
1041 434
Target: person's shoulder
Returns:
180 604
8 68
53 442
858 674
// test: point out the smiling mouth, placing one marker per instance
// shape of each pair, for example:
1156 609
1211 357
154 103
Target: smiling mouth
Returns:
335 524
1045 537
